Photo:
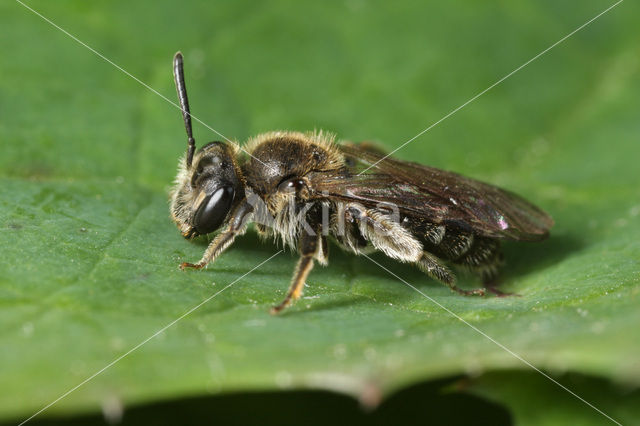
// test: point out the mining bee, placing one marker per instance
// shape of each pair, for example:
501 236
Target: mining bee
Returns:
302 188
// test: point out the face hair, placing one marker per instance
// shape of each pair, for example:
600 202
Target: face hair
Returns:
178 76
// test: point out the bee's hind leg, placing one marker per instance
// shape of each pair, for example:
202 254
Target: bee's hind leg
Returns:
489 276
431 265
484 259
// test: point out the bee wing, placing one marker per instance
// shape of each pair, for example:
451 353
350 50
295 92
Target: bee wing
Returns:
436 195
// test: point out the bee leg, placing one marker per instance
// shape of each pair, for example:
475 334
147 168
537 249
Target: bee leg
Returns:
305 264
322 255
484 259
493 288
492 284
309 245
431 265
237 226
217 246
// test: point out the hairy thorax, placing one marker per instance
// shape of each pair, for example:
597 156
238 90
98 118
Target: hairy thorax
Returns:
279 156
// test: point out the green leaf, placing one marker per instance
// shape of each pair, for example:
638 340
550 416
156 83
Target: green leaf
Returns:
89 268
555 406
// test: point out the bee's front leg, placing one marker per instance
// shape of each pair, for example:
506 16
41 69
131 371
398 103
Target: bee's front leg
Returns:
237 225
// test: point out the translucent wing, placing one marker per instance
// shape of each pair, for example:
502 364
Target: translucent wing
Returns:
433 194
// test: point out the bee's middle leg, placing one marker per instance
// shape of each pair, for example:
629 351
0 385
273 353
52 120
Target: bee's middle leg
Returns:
309 246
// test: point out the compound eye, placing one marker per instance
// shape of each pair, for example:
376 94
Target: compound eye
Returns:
213 210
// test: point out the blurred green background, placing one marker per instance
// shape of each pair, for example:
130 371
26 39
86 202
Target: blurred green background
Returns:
89 254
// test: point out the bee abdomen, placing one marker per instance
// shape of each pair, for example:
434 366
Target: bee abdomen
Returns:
483 251
434 233
453 244
484 259
480 254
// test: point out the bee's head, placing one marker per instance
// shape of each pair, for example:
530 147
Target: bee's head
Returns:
204 192
208 181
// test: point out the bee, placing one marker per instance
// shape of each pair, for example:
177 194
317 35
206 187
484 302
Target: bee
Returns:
303 188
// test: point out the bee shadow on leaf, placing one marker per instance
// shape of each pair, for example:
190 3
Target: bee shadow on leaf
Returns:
523 259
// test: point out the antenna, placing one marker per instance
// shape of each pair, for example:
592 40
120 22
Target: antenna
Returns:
178 76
